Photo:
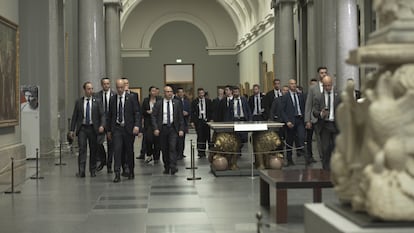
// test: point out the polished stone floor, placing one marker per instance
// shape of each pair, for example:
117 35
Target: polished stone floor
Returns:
151 203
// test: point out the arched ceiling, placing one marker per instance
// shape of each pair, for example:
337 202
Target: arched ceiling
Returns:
248 19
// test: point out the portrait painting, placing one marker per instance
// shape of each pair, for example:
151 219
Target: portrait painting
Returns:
9 71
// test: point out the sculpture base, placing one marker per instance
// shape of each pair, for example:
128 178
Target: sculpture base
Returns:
322 219
362 219
238 172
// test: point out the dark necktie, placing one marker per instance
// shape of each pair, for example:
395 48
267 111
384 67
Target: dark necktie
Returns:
238 108
328 105
106 102
296 103
120 110
257 106
168 114
88 112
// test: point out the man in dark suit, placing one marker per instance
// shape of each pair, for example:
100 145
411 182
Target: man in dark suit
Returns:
143 144
215 104
325 109
88 120
256 104
105 158
292 111
186 114
271 96
124 122
168 123
152 142
309 126
241 111
224 112
201 113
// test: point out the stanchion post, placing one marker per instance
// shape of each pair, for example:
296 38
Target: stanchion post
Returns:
193 164
12 179
60 156
37 167
192 155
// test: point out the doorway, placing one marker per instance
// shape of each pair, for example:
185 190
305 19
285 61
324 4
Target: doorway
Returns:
180 75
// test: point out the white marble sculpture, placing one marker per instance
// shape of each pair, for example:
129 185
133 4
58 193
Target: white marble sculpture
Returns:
373 163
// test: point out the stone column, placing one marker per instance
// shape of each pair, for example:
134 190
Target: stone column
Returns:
311 44
91 42
328 36
347 39
113 39
285 40
276 68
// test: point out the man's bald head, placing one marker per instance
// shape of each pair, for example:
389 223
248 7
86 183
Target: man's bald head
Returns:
120 86
327 83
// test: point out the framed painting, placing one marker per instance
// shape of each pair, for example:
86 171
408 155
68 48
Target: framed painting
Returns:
139 91
9 73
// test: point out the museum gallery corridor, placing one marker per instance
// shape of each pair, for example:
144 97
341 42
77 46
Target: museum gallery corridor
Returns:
151 203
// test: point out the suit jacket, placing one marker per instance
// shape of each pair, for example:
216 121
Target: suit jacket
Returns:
288 110
215 109
145 107
319 105
98 117
99 95
262 104
268 101
246 109
157 115
132 114
186 107
226 110
275 110
195 110
314 93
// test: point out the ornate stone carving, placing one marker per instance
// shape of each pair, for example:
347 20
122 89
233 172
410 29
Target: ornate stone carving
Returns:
373 162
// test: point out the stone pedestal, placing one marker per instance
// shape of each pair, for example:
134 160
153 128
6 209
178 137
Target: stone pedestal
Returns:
321 219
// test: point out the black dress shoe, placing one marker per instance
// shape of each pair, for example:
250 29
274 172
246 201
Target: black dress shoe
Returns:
80 174
141 157
131 176
290 163
109 170
93 174
174 170
166 171
100 167
117 178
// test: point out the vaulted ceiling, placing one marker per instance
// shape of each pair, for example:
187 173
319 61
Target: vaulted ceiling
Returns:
227 24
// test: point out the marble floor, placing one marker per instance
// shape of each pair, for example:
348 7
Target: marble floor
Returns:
151 203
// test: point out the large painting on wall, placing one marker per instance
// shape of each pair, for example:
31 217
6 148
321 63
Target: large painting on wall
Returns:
9 73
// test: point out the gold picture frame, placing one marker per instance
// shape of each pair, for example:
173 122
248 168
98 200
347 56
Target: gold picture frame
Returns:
9 73
137 90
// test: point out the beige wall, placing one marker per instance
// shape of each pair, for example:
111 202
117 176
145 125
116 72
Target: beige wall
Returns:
181 40
249 58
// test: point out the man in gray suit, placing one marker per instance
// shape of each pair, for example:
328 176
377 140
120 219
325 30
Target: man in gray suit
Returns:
88 120
314 92
325 109
168 123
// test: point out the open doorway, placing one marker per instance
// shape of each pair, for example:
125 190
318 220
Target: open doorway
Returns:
180 75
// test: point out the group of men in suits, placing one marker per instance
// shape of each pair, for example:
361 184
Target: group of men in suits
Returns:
116 116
